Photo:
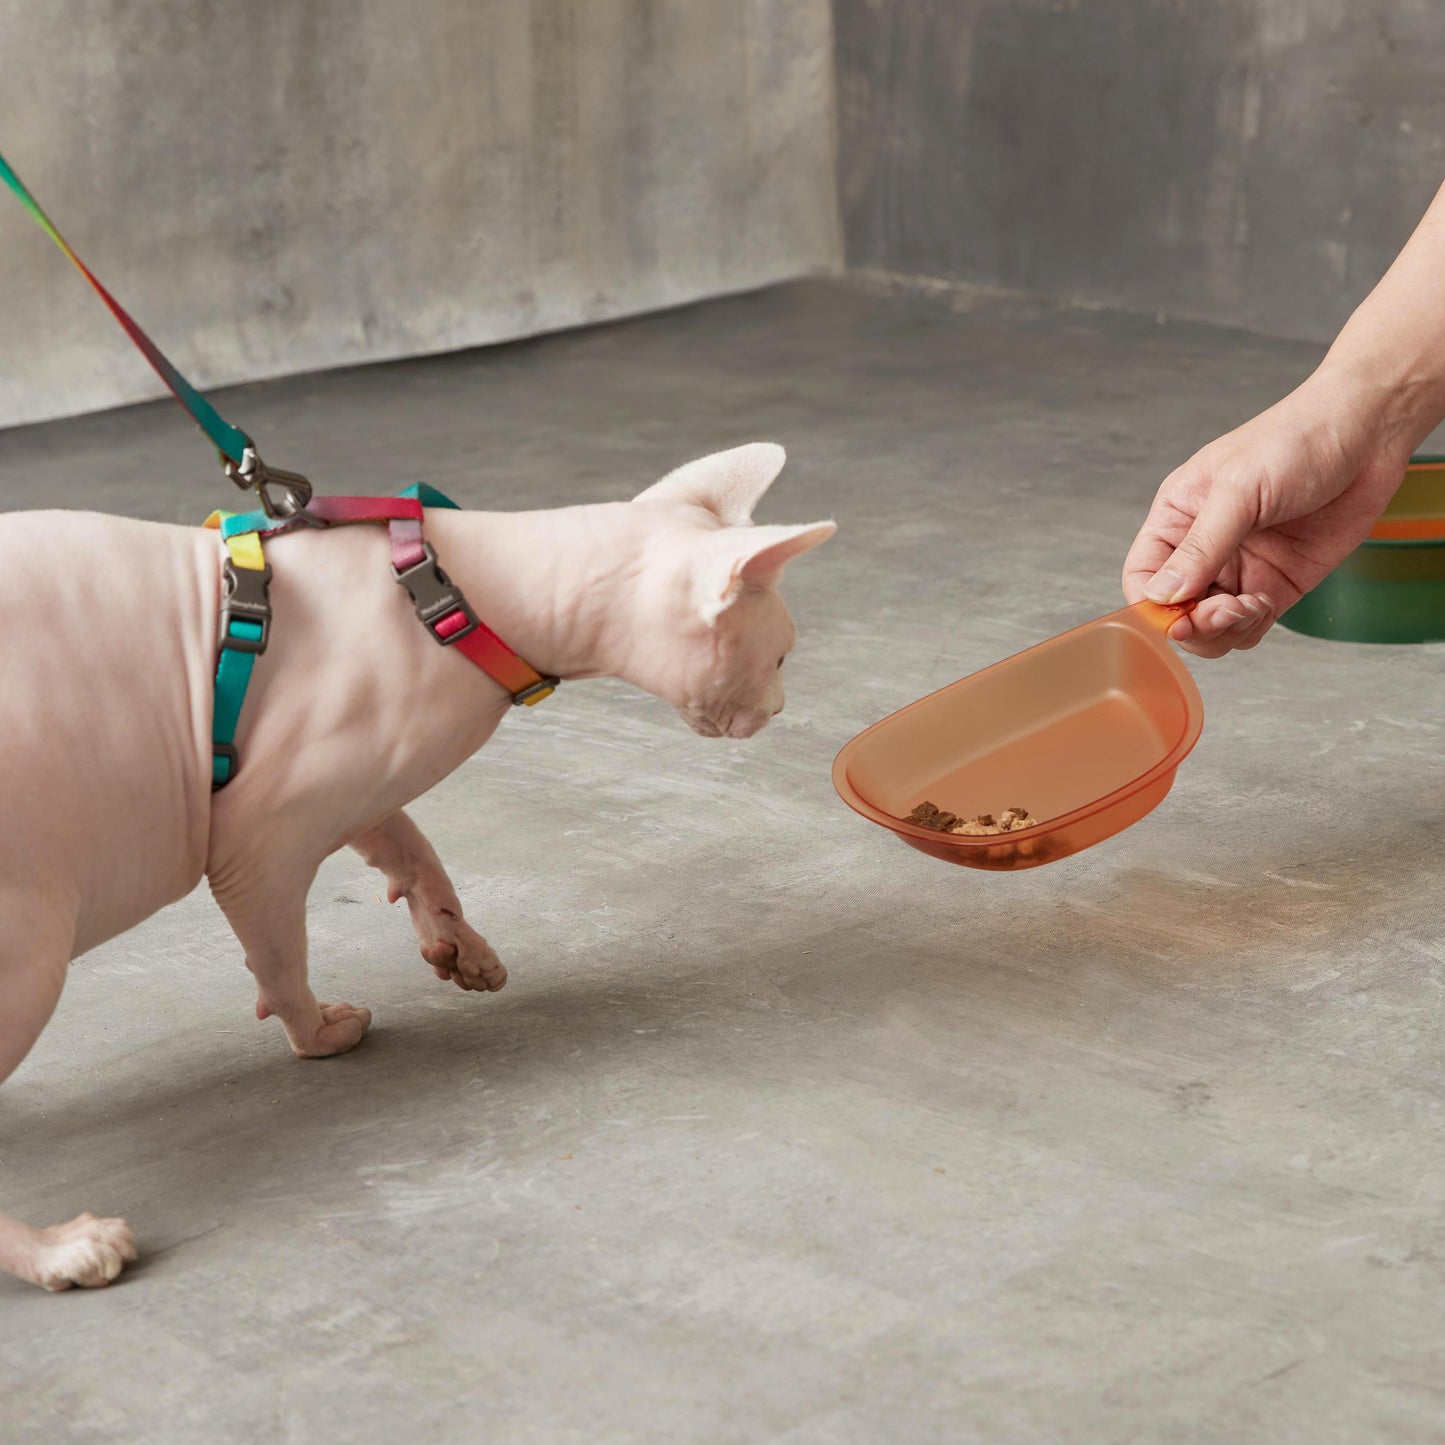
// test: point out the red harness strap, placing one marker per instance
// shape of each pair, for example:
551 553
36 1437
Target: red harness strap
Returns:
448 616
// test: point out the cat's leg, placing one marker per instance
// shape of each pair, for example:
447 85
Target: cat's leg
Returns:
455 950
34 954
268 915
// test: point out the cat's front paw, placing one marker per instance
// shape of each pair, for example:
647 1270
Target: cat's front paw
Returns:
87 1251
466 958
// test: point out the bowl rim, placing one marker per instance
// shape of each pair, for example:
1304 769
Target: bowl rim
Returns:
1132 616
1420 462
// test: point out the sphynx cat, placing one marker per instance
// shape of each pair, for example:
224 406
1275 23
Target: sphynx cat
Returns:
107 666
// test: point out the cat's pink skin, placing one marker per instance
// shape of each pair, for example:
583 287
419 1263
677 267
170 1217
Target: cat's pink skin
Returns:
107 662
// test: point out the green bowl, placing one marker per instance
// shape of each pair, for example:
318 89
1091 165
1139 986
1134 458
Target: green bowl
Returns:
1391 588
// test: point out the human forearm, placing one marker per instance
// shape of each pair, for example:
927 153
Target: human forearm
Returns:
1389 358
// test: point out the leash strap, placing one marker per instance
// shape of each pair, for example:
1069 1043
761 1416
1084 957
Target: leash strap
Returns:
230 441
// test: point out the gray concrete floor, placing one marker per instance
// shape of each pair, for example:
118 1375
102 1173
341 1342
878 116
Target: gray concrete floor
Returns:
782 1131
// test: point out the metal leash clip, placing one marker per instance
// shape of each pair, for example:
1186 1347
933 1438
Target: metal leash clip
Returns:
251 474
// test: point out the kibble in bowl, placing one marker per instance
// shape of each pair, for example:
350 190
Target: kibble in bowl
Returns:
1017 845
940 820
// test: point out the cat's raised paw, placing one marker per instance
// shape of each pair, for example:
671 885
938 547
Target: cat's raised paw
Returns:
87 1251
466 958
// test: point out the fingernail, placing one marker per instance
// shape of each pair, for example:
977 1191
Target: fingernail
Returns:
1165 586
1244 621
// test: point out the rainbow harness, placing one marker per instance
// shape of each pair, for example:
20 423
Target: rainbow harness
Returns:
245 623
287 502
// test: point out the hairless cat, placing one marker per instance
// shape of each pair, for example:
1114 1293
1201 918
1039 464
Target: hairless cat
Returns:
106 673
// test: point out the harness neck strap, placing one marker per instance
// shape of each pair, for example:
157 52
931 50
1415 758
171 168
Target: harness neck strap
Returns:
445 613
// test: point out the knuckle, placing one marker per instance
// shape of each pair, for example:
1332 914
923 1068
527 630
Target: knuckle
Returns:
1193 548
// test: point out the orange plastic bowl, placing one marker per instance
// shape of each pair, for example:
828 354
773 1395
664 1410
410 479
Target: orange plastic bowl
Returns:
1085 731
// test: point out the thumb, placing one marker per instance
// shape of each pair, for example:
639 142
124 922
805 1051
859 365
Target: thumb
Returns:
1224 521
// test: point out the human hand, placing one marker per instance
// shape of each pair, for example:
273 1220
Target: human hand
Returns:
1254 520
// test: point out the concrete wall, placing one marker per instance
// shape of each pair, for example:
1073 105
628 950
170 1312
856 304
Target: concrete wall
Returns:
273 187
1245 161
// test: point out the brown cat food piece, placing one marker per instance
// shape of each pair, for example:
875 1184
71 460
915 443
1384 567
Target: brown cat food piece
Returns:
1016 818
928 815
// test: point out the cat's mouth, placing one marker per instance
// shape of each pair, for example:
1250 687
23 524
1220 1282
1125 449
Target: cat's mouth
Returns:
731 725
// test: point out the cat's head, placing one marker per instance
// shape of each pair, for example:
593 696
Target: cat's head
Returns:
722 629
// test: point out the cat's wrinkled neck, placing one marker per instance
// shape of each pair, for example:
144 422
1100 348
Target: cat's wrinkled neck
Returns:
559 587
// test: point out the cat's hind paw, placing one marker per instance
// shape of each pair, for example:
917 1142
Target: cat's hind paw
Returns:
87 1251
337 1029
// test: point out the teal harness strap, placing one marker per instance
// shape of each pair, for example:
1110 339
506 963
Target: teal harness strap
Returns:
244 631
428 496
233 677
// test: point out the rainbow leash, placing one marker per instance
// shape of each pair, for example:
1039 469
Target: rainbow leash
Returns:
239 458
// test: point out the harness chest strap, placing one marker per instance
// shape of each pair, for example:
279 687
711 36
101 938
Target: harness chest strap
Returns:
246 612
245 629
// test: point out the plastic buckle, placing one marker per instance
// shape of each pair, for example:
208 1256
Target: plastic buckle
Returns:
435 596
251 474
245 597
531 696
233 761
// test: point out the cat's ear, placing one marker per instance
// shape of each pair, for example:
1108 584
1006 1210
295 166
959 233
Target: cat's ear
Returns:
729 484
752 557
